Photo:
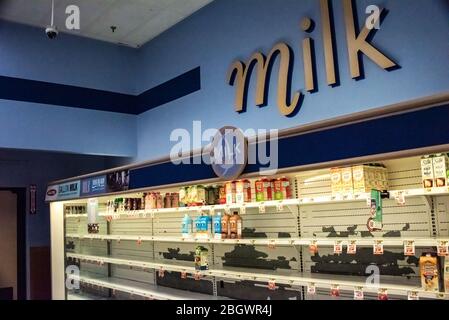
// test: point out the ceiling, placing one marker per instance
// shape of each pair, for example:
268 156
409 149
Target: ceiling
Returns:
137 21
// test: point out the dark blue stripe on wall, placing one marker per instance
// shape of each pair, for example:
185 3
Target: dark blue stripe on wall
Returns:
176 88
408 131
64 95
78 97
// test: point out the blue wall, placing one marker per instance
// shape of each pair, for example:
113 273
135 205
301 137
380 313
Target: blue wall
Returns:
26 53
414 34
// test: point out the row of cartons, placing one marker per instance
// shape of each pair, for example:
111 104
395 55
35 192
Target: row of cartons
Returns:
356 180
434 169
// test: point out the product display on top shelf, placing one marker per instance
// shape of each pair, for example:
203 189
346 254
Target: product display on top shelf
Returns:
272 238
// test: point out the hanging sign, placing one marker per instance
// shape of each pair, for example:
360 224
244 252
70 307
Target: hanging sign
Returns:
33 206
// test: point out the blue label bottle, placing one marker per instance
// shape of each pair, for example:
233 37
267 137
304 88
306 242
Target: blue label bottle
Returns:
217 224
187 226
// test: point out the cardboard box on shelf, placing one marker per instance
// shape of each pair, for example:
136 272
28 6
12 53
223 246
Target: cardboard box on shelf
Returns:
440 168
367 178
427 172
347 188
336 183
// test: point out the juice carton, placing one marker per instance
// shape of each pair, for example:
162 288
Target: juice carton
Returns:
361 180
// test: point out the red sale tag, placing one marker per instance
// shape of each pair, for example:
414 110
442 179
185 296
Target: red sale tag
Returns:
183 275
161 273
272 285
313 248
352 248
358 294
382 294
409 248
443 250
338 247
335 291
378 248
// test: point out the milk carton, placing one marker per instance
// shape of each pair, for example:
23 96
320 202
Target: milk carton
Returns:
440 168
347 188
336 183
427 172
361 181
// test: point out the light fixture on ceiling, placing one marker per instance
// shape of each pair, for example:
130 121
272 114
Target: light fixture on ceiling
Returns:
51 30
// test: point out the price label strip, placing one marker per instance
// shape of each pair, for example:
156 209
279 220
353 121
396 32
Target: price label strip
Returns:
409 248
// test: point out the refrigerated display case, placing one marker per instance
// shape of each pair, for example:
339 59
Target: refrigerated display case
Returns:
316 244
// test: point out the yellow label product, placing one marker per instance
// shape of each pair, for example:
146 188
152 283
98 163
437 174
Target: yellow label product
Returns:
336 184
346 180
427 172
428 269
440 167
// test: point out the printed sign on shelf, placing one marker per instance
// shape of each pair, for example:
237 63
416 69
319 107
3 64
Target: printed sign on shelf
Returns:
352 247
409 248
69 190
358 294
93 186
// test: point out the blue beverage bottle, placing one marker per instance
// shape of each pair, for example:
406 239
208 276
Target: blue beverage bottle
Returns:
187 226
217 225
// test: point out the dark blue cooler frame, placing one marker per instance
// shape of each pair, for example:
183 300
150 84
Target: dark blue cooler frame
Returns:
408 129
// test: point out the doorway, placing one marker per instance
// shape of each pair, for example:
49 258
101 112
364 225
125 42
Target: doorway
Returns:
13 243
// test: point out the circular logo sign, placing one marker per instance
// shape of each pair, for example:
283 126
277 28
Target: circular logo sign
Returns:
229 154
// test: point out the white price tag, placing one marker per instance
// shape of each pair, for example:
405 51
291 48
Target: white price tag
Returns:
161 273
311 289
358 294
413 295
243 209
272 244
262 208
183 275
409 248
352 247
378 248
280 207
197 276
400 198
442 249
338 247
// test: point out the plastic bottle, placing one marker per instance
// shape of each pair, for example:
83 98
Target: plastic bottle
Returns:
235 224
187 226
225 230
217 225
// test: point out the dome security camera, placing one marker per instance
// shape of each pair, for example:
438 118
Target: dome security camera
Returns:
51 32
